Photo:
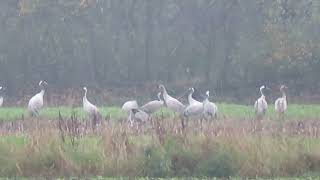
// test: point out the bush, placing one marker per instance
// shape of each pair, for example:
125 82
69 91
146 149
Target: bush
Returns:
156 163
217 165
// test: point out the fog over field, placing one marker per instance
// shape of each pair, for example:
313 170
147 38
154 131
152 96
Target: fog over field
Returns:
159 88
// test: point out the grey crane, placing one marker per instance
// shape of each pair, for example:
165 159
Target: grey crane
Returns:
281 103
88 107
91 109
171 102
210 109
36 102
261 105
137 116
153 106
194 110
129 105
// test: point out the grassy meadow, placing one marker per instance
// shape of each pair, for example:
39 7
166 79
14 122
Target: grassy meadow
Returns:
225 111
233 146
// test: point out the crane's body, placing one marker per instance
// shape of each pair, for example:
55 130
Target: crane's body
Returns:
210 109
129 105
261 105
138 116
193 111
190 98
153 106
88 107
36 102
171 102
281 103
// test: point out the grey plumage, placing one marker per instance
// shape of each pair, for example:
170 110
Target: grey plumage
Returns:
171 102
210 110
129 105
137 115
36 102
261 105
153 106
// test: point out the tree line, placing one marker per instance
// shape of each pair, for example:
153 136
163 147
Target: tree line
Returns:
230 46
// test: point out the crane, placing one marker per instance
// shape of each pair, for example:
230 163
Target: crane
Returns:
36 102
90 109
261 105
171 102
137 115
129 105
281 103
210 109
153 106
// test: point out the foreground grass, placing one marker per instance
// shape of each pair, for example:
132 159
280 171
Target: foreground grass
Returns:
222 149
225 111
200 156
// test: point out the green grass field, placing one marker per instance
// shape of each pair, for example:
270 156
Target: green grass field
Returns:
225 111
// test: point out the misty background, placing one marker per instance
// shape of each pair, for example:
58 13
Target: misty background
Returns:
128 46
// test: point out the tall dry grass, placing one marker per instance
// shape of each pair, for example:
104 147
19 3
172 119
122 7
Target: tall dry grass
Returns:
160 148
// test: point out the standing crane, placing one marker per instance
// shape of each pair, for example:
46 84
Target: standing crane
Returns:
281 103
36 102
261 105
139 116
210 109
195 109
171 102
91 109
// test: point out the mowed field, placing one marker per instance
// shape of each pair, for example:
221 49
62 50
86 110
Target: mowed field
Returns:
234 145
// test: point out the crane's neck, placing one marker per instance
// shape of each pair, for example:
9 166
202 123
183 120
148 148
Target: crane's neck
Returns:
165 94
262 93
159 97
42 92
85 95
190 97
205 101
283 93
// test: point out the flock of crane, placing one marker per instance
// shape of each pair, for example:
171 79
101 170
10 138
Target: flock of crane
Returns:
195 109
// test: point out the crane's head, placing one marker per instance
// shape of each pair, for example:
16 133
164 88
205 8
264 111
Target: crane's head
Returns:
85 88
191 90
208 93
283 87
41 83
262 87
162 88
0 87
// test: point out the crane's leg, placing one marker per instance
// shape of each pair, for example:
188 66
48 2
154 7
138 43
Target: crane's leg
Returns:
215 116
182 119
201 119
35 113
